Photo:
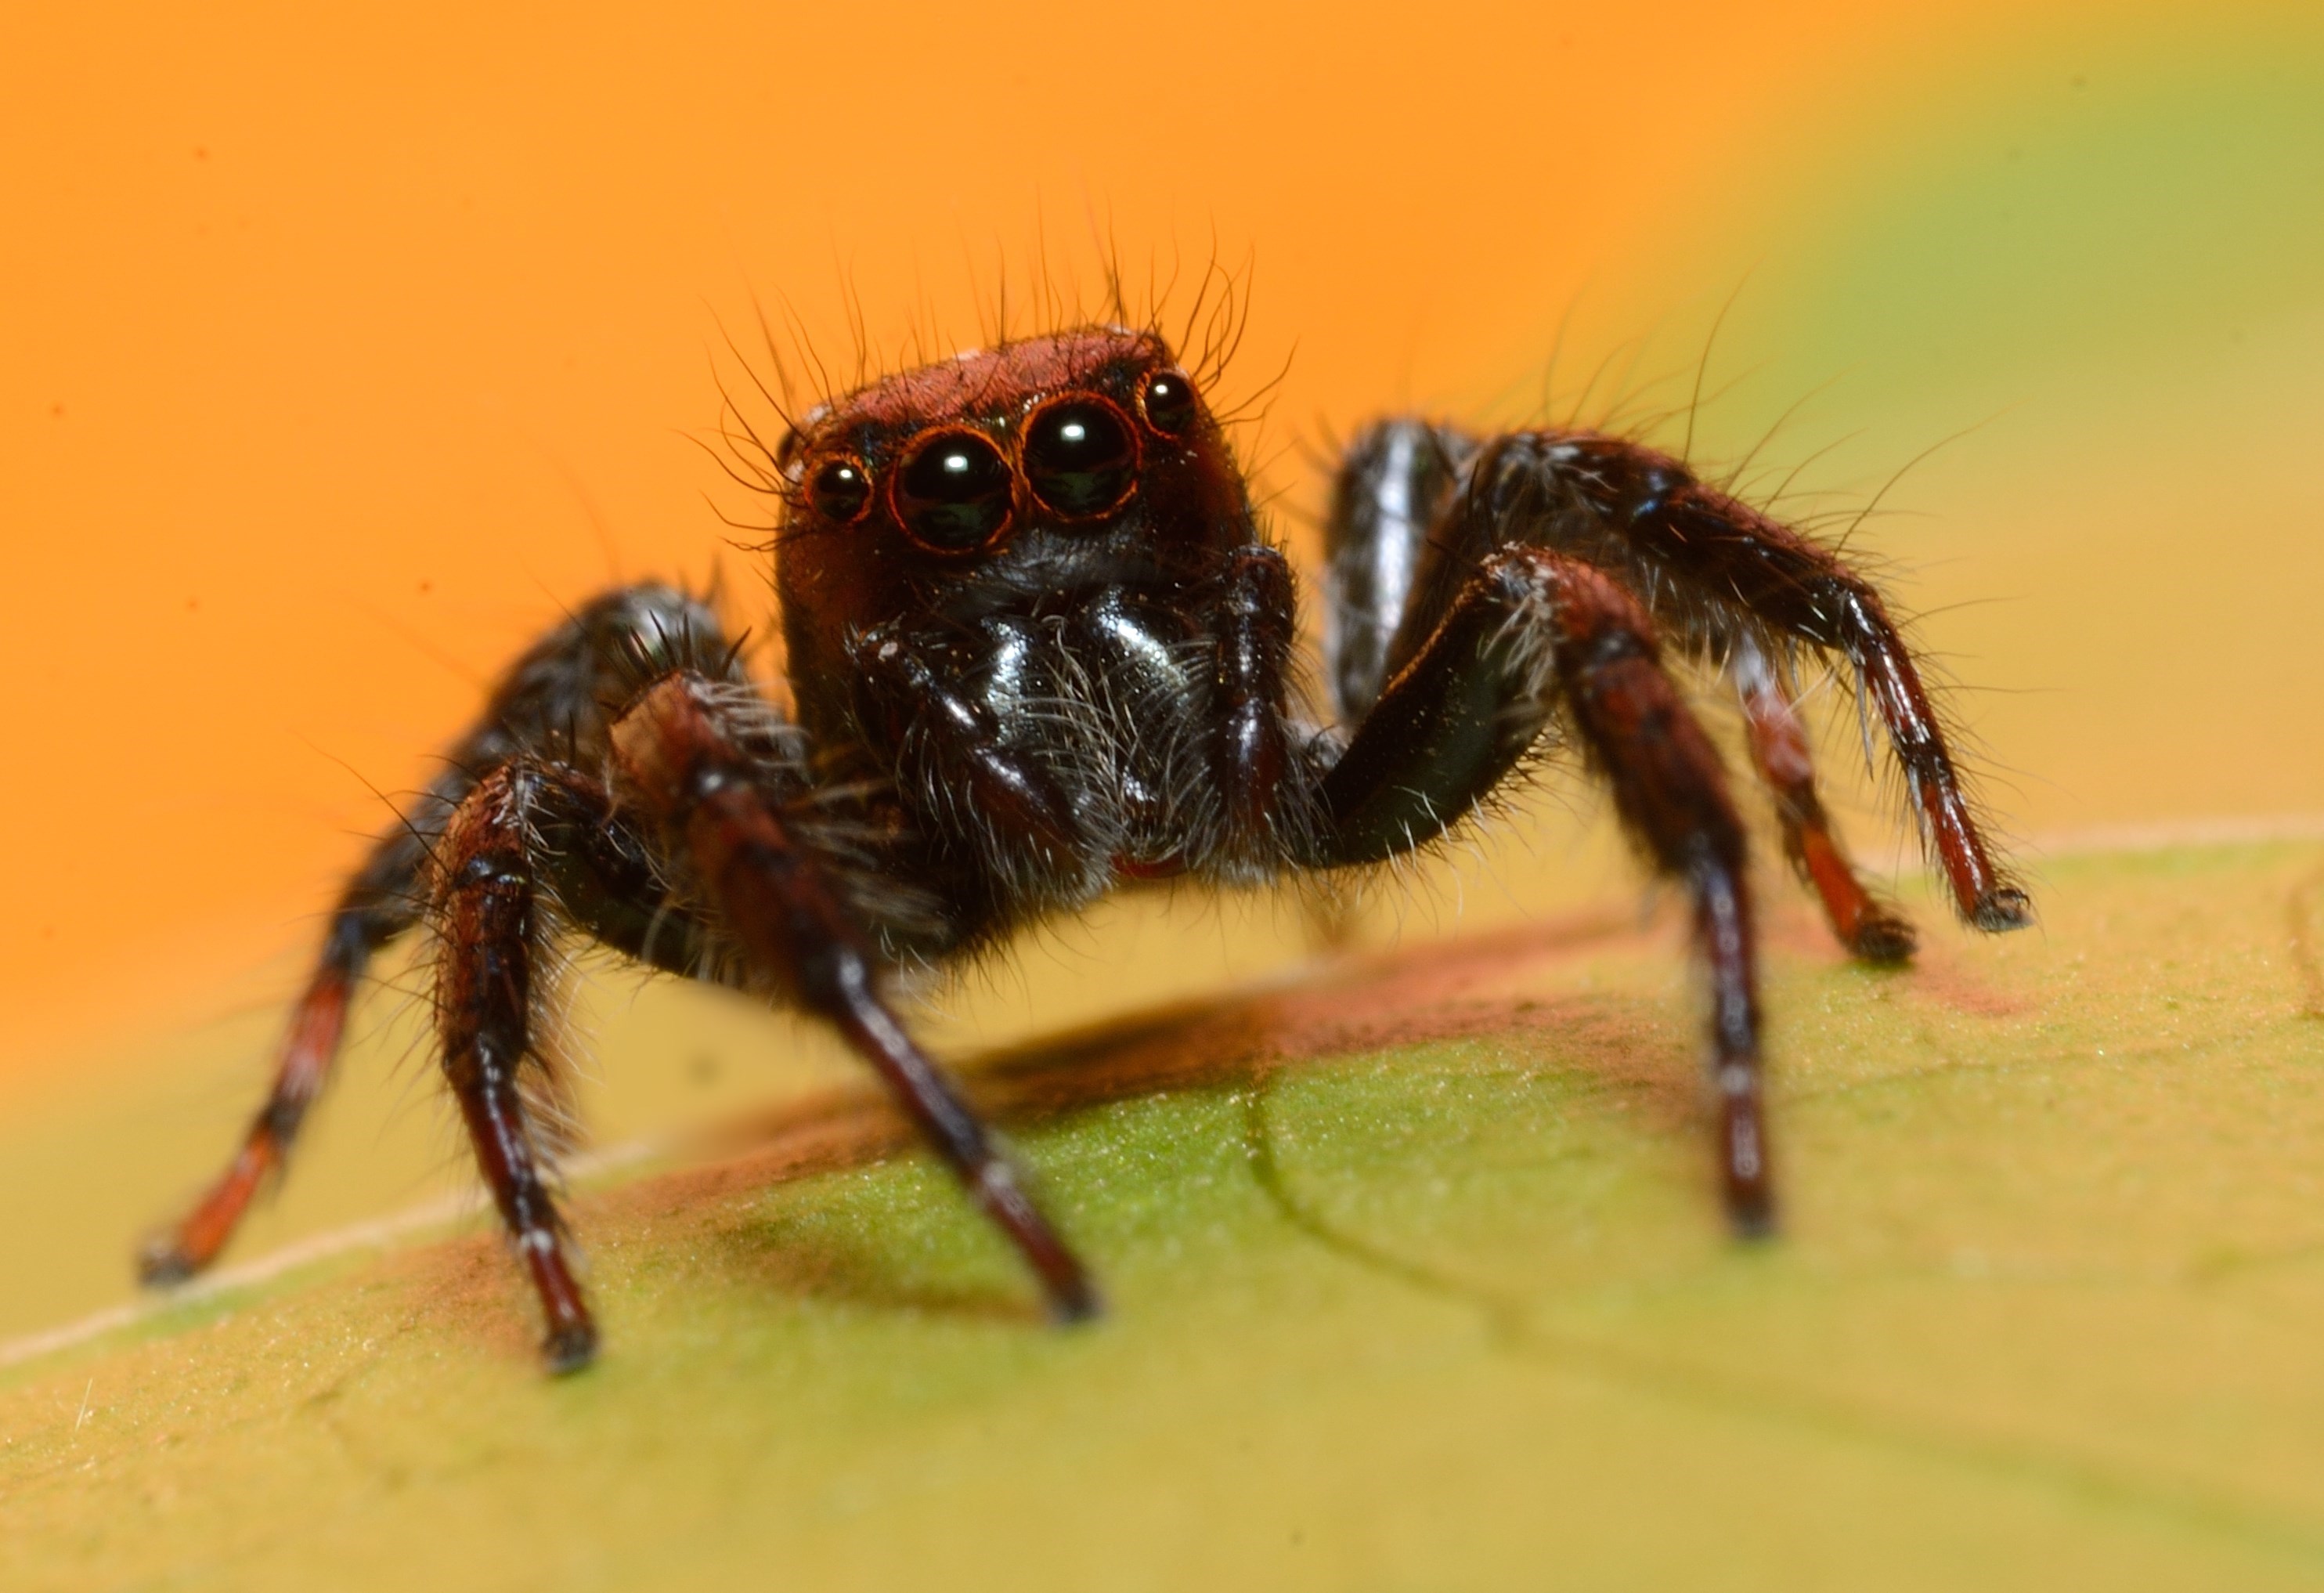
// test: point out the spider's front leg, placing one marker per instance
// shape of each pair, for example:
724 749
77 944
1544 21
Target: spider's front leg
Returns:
490 927
680 764
534 849
1529 632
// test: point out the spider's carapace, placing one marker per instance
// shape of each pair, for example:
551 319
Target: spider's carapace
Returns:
1040 645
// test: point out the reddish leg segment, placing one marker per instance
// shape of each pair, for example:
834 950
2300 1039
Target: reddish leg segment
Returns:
550 697
1869 928
377 907
316 1026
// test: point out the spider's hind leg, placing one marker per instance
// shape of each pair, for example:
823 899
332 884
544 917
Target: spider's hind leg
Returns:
1873 929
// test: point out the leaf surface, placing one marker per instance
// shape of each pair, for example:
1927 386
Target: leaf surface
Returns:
1417 1284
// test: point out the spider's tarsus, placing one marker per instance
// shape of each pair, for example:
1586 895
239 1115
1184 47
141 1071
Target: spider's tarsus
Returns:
1752 1218
1884 939
570 1350
1078 1305
1999 910
162 1262
1071 1295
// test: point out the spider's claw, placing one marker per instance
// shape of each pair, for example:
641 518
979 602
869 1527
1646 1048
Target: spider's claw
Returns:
1073 1306
1884 938
2003 909
1747 1186
569 1348
162 1261
1751 1215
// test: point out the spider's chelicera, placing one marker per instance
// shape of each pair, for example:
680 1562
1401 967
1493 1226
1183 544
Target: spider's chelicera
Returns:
1039 646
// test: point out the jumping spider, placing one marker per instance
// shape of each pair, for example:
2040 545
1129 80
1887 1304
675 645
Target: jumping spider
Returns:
1040 647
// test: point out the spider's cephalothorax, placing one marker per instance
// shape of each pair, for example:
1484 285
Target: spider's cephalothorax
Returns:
1039 646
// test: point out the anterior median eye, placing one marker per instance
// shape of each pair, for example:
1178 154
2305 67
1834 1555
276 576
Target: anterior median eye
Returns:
1081 459
954 492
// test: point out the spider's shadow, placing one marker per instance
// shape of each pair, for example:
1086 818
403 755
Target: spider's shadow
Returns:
838 1251
806 1256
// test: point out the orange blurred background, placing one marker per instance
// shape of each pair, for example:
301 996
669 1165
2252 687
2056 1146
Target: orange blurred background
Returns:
342 350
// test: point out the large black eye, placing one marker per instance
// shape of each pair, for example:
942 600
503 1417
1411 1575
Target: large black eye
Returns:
953 494
839 491
1169 403
1080 457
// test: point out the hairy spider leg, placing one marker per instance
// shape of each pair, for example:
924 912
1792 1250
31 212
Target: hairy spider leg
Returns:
1531 631
1717 570
538 845
1872 930
683 767
553 700
489 927
1394 551
507 787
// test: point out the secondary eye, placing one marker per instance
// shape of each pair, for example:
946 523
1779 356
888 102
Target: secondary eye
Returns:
1080 457
1168 402
840 491
954 493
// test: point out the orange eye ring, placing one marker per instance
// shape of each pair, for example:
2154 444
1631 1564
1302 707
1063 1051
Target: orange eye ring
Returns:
1080 456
